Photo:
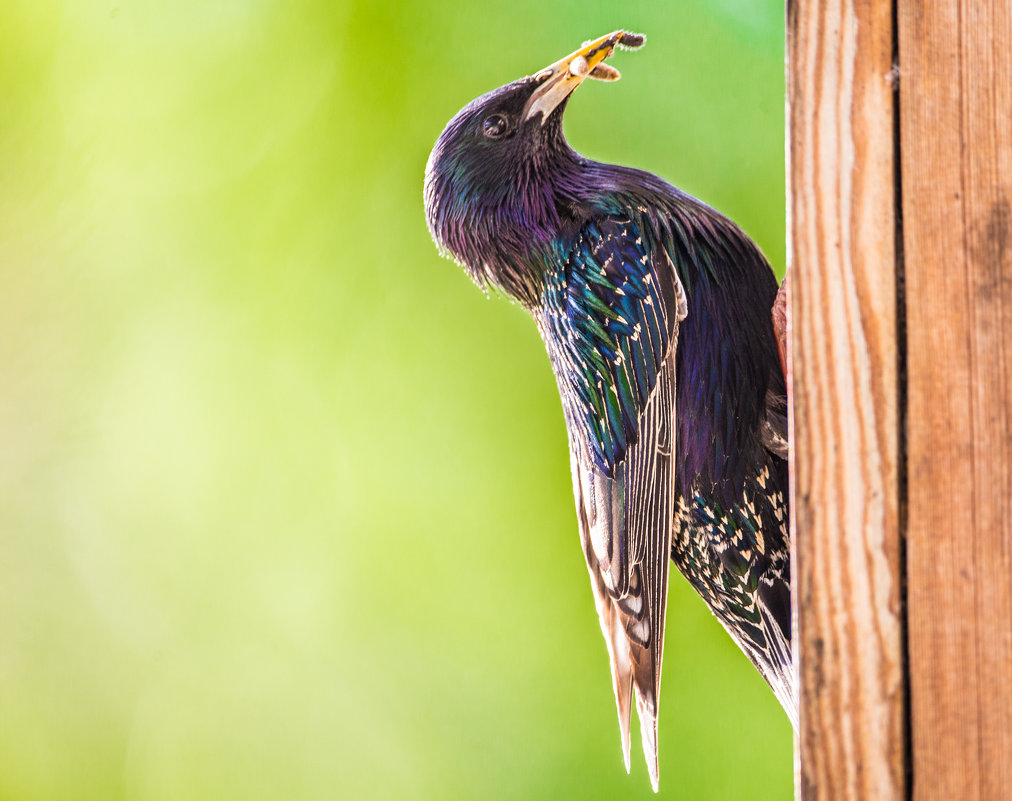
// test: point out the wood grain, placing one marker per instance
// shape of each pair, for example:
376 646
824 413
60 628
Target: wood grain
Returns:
956 129
844 436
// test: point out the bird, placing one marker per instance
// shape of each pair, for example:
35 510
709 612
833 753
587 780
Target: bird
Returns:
655 311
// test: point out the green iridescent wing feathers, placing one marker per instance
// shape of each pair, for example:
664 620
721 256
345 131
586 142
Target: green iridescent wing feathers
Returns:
610 322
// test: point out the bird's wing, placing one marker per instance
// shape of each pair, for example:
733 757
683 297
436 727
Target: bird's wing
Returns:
610 322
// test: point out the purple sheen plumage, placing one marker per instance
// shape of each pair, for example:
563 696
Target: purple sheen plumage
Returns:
658 432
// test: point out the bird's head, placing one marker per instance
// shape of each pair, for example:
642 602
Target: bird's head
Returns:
502 179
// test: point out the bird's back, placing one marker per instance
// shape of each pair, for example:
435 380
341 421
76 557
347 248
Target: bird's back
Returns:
730 529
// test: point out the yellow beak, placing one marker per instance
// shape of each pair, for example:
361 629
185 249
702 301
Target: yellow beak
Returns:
560 79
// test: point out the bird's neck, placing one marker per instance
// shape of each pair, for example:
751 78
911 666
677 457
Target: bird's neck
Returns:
519 234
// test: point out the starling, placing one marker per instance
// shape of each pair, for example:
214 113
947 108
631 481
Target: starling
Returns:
655 311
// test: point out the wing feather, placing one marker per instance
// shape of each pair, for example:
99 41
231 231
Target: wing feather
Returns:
611 327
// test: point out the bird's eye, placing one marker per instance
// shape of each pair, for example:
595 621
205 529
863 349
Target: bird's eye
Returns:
494 127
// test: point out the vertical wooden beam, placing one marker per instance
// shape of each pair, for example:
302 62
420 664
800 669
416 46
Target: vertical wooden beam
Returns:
956 149
844 428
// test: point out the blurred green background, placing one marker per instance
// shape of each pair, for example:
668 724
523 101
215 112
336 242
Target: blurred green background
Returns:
285 506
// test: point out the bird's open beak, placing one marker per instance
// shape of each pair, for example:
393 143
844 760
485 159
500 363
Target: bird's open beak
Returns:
561 78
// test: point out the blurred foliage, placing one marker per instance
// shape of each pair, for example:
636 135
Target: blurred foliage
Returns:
285 507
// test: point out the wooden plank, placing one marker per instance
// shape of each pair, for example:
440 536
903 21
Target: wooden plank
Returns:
845 529
956 144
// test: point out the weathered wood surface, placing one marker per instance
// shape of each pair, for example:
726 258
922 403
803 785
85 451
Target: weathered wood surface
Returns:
844 433
956 153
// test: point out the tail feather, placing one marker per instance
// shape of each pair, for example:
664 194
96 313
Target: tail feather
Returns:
774 663
647 712
633 665
778 671
621 662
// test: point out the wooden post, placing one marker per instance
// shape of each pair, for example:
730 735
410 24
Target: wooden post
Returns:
956 154
845 459
900 184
